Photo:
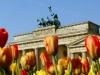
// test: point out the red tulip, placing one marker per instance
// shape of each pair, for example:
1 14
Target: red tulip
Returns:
46 62
92 45
76 66
85 65
51 44
5 57
48 66
3 37
14 49
24 72
44 57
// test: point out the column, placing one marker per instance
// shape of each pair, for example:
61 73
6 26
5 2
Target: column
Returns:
68 53
23 52
37 58
71 55
84 54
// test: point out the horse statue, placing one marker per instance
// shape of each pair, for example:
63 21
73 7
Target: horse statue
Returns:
41 22
50 21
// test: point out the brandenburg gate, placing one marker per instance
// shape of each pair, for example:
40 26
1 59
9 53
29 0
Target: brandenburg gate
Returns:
71 39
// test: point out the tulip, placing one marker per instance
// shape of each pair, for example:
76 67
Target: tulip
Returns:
3 37
92 45
64 62
44 57
93 49
92 70
41 72
60 69
5 57
28 60
68 71
76 66
51 44
24 72
51 69
46 62
85 64
13 68
24 61
48 67
98 73
14 49
65 65
32 59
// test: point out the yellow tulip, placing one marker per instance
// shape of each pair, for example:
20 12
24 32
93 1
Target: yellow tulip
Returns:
41 72
28 60
13 67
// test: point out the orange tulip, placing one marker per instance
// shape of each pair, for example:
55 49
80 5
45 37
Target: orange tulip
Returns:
51 69
98 73
85 65
44 57
3 37
28 60
51 44
32 59
92 45
46 62
14 49
64 62
5 57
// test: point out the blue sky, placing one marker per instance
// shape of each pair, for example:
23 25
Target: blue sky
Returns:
19 16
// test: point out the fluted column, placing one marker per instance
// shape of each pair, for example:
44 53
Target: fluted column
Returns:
23 52
68 51
37 58
71 55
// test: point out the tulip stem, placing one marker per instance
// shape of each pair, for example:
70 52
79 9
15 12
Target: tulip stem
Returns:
54 62
70 68
1 69
98 65
13 73
93 68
